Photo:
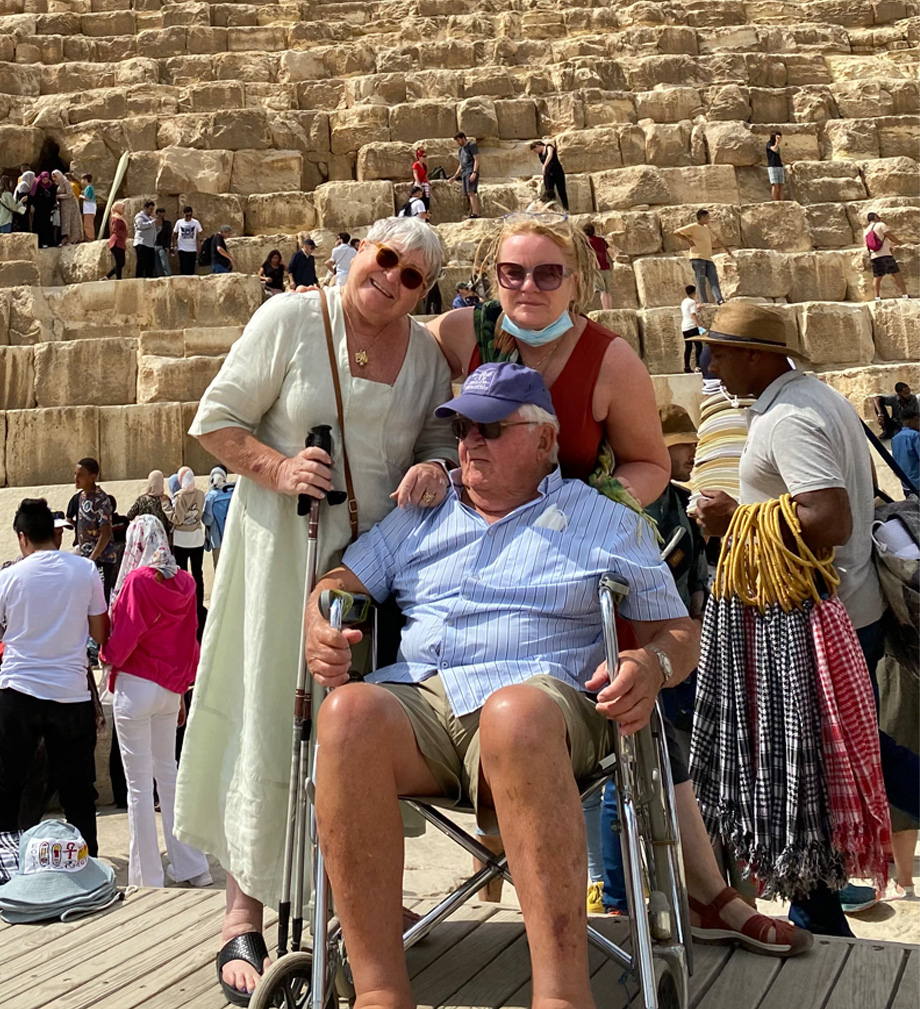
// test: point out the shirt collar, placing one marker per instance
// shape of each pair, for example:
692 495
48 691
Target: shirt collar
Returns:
550 483
766 399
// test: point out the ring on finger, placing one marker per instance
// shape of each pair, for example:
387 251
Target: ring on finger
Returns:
427 497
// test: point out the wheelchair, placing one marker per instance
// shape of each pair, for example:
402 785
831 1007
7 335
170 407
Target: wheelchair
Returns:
660 956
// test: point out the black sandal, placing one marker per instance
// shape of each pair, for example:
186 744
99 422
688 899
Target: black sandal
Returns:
250 946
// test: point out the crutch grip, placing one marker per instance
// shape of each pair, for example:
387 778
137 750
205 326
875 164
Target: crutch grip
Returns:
319 437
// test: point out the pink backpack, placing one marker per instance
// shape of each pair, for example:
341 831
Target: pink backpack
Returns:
873 241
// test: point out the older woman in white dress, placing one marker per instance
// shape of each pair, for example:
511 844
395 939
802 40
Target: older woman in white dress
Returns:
275 385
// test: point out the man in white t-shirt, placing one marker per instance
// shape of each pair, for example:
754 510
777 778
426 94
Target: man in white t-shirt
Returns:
690 328
415 207
50 603
187 241
879 239
341 258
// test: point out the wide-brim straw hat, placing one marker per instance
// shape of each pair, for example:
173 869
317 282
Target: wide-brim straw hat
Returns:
749 326
676 426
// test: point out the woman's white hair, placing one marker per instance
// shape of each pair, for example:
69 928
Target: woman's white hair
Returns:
409 234
532 412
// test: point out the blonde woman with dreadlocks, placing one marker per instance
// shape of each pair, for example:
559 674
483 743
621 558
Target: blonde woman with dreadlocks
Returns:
543 270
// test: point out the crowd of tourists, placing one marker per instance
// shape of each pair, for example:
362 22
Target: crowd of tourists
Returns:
488 516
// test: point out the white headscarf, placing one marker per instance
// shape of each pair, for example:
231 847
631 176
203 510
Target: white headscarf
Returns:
186 478
218 478
146 546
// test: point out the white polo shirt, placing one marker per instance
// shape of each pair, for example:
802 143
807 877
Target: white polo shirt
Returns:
804 436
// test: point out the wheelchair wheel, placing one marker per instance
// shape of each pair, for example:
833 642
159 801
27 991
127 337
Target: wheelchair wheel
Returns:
666 987
287 984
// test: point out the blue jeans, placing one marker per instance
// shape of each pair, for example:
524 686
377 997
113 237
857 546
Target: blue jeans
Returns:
592 811
614 879
162 262
705 270
219 268
6 229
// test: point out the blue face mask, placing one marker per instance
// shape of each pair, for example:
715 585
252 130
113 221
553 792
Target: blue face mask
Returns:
538 337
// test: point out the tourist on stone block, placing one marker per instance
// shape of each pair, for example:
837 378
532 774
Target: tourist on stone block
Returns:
273 387
468 171
888 409
341 258
88 195
95 537
776 172
10 207
415 205
420 175
118 240
186 240
162 244
188 529
145 236
905 447
21 193
71 218
701 238
602 250
43 200
221 260
151 657
302 267
553 188
466 297
880 240
690 328
50 604
271 273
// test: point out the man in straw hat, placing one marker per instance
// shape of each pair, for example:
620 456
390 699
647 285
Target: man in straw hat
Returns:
805 439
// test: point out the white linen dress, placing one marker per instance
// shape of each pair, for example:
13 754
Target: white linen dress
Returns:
276 383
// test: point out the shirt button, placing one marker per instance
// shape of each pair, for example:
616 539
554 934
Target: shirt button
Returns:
444 665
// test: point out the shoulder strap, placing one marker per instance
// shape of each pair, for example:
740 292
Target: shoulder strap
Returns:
887 456
334 367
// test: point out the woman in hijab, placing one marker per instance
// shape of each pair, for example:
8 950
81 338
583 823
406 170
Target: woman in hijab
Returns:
151 658
188 530
10 207
43 200
154 501
216 506
22 192
118 234
71 218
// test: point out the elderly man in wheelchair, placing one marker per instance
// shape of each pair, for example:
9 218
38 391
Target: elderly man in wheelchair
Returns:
492 699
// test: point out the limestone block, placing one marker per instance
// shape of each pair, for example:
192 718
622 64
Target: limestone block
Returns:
723 219
806 68
891 177
41 444
632 144
212 97
729 103
490 82
3 481
668 105
662 342
836 334
800 141
558 113
301 65
351 129
181 170
250 253
622 321
17 378
731 144
700 185
499 198
896 325
448 204
376 89
193 454
266 172
284 213
162 343
826 181
131 436
755 273
429 84
812 105
5 301
816 276
633 233
905 95
109 23
214 210
182 302
849 139
256 38
781 226
862 99
20 80
295 130
898 136
210 340
828 225
661 280
855 264
413 121
768 105
580 194
86 373
604 108
167 379
667 144
18 272
341 206
517 118
623 188
476 117
18 246
384 161
900 213
20 144
589 150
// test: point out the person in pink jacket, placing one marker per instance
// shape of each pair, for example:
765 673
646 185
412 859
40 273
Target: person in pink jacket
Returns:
151 658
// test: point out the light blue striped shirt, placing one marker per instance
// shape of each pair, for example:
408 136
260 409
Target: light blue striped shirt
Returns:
492 605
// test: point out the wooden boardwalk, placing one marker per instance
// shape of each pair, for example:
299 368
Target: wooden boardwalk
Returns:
156 951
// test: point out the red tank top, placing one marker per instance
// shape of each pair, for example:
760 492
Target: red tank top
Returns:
580 435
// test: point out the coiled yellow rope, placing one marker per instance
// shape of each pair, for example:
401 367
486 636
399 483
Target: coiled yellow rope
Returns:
758 567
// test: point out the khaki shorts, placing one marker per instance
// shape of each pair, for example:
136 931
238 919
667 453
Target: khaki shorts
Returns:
602 284
450 743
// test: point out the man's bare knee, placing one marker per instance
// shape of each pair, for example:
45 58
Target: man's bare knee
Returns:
357 713
520 719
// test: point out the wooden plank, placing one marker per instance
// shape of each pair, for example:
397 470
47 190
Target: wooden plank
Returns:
808 979
708 962
496 982
908 994
522 998
457 927
868 977
742 982
84 986
438 982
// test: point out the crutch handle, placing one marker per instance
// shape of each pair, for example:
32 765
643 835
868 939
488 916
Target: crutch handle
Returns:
319 437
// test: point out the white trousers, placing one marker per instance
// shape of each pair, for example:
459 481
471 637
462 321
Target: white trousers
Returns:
145 716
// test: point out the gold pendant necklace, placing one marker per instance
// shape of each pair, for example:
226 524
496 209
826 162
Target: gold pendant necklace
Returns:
361 358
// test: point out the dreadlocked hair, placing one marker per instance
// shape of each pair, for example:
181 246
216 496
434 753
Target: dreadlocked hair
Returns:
540 219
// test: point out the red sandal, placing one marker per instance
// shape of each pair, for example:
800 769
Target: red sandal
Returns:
788 940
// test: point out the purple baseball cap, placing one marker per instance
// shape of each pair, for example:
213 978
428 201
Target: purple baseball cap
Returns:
494 391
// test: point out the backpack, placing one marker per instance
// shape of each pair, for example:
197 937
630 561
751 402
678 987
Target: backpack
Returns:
204 256
437 173
873 241
405 211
